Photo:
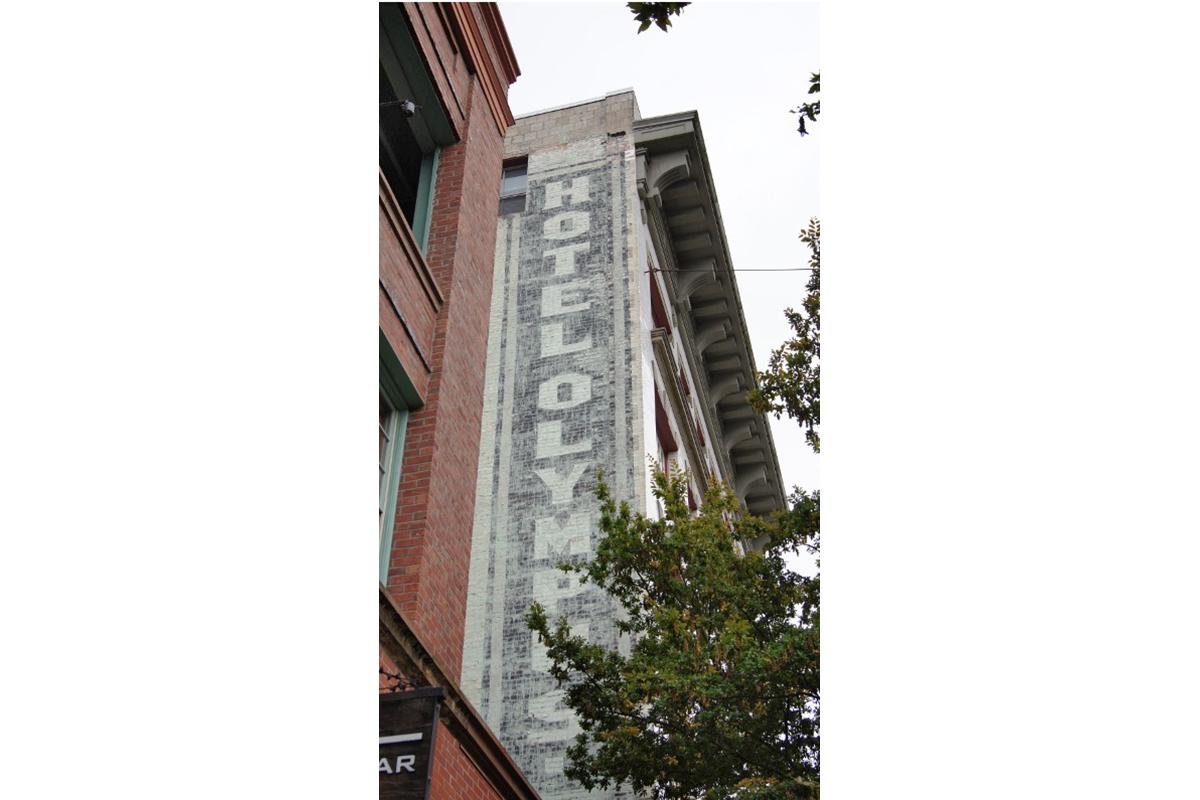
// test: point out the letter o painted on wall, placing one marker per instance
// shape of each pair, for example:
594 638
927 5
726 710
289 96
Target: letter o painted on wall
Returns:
564 391
567 225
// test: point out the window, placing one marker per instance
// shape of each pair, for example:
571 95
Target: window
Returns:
392 424
667 446
412 123
389 433
658 311
514 183
408 160
396 398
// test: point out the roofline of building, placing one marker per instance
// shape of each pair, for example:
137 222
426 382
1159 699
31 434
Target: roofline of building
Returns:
589 101
499 34
692 131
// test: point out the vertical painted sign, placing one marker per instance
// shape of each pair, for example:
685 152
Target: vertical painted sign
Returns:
562 401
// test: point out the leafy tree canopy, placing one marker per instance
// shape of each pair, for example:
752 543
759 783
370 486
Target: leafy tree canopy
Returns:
809 111
792 383
658 13
719 695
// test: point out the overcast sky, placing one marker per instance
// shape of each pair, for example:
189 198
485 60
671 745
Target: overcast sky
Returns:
742 67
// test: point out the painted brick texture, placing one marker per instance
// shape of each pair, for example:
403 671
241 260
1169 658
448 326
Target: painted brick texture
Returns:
563 397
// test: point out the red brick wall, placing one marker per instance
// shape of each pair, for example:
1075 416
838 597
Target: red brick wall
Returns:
401 287
455 777
435 510
430 27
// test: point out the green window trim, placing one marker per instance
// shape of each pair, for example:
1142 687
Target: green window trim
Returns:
393 379
390 489
425 195
410 138
398 391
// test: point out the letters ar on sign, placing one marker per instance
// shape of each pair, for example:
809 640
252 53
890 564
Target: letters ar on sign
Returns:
407 724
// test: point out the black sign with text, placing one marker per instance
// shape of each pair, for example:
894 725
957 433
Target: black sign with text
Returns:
407 722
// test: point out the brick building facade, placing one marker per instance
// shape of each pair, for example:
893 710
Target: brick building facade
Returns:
616 337
445 69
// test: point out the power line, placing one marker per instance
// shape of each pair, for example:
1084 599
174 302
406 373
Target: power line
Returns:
744 269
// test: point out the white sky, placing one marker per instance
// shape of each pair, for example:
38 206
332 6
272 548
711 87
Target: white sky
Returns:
742 71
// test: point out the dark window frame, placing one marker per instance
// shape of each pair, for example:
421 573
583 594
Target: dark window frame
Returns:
512 198
410 139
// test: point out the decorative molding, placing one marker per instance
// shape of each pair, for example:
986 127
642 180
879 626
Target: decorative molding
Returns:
466 27
712 333
664 169
684 217
723 385
660 341
749 477
696 274
499 34
736 432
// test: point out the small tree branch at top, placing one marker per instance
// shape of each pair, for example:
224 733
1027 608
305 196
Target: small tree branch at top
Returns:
792 382
809 111
657 13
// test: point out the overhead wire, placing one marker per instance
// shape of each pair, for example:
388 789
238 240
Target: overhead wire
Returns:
743 269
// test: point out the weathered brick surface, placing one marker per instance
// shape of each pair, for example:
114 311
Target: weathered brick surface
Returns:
403 292
563 398
455 776
440 337
431 28
432 535
540 132
450 63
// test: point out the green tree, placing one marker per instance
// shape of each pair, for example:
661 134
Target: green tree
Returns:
719 696
658 13
792 382
810 111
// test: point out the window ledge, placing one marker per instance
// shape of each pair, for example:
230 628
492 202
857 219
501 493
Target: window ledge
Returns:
408 243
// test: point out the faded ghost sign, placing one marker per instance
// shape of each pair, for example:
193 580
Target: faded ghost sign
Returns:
561 401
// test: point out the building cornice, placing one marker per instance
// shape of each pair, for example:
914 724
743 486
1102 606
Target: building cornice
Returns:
575 104
502 45
470 35
675 181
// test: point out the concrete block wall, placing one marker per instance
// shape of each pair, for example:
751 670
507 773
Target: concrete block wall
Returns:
540 132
